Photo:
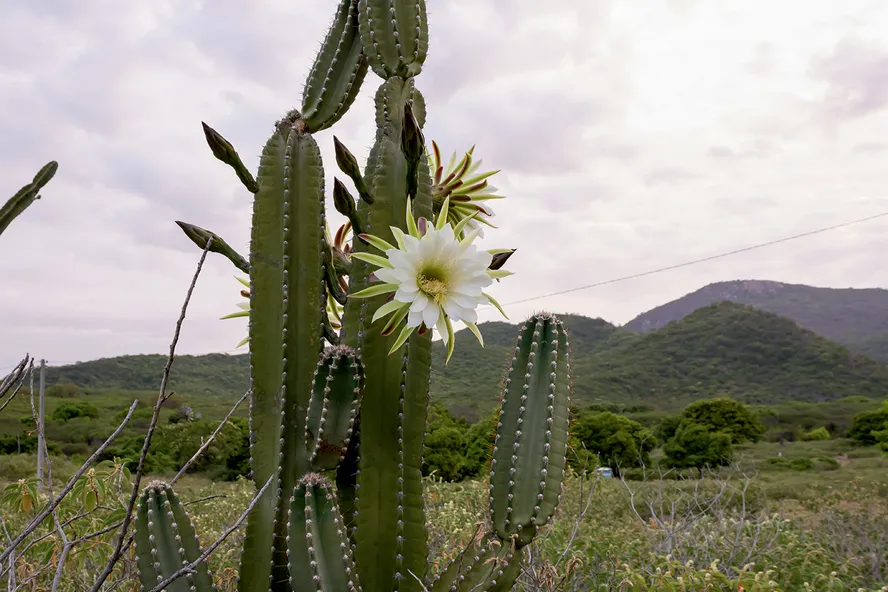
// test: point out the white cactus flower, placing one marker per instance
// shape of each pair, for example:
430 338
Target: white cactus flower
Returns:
435 277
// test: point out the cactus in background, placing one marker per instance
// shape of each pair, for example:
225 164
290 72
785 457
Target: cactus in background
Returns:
166 542
26 195
340 339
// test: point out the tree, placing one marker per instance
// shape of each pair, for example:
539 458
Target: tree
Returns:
443 454
666 428
728 416
820 433
618 440
867 424
696 446
479 445
67 411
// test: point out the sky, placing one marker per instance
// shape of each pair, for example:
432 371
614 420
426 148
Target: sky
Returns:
630 136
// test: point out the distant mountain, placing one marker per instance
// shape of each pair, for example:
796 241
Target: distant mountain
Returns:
857 318
725 348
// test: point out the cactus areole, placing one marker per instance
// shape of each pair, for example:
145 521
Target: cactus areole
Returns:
340 341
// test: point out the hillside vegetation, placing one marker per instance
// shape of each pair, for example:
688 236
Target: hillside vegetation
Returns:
724 348
857 318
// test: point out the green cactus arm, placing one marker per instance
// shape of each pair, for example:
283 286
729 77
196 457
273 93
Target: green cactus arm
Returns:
337 73
320 554
395 34
27 195
200 236
485 565
390 531
224 151
333 407
166 541
287 304
527 469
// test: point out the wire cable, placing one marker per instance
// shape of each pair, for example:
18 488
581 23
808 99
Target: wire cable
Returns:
695 261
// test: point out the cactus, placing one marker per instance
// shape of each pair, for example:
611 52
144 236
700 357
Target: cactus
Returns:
339 401
166 542
26 195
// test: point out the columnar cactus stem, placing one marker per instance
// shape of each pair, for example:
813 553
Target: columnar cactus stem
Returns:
389 501
166 542
320 554
531 441
288 301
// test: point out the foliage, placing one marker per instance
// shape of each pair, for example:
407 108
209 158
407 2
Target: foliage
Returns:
68 411
729 349
868 424
696 445
808 527
725 415
618 441
820 433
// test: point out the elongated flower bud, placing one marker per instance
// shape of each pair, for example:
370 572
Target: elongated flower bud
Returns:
224 151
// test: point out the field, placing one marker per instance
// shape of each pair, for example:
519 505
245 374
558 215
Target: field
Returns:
814 518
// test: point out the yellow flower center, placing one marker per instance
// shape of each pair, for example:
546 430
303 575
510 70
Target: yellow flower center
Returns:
431 283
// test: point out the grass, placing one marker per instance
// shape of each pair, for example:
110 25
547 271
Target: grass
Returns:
826 527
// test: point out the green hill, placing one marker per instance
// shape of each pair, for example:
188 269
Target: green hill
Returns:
849 316
726 347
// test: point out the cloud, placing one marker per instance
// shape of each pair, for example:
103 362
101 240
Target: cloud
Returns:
856 75
630 137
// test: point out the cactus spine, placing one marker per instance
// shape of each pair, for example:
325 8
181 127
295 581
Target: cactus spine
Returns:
351 407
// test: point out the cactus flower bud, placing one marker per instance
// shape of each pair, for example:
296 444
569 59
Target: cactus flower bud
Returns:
224 151
348 164
201 237
499 259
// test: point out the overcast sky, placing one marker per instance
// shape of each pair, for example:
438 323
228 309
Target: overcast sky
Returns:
631 136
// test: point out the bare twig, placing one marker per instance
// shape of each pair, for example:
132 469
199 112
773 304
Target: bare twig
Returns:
17 373
161 398
190 567
13 376
203 499
67 489
11 579
210 439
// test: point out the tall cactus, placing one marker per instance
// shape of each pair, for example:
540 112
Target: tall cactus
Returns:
351 406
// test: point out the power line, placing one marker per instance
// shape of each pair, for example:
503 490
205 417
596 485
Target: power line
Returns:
695 261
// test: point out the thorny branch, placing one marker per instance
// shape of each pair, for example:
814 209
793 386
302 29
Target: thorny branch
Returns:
161 398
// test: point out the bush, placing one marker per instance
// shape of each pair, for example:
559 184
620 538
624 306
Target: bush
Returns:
820 433
67 411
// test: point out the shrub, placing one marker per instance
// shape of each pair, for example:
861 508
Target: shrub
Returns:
820 433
